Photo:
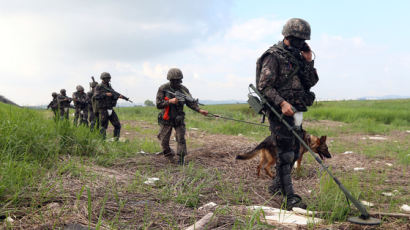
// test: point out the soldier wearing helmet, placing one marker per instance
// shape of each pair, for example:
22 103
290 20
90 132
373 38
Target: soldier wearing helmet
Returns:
172 114
105 103
92 109
284 74
63 104
81 106
53 104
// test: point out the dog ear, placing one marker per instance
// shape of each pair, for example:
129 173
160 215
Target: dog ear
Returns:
323 139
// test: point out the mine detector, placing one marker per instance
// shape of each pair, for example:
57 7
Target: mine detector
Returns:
260 104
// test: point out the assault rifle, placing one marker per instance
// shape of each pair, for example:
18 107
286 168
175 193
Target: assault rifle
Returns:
116 94
182 97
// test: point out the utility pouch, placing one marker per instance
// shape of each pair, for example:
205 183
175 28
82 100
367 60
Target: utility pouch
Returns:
257 106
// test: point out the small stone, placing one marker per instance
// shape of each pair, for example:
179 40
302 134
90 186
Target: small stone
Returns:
387 193
363 138
405 208
9 219
377 138
358 169
240 135
142 152
407 131
389 164
348 152
207 206
127 133
151 181
193 128
367 203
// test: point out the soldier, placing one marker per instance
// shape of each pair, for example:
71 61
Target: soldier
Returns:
92 110
53 104
172 114
105 101
284 74
63 104
81 106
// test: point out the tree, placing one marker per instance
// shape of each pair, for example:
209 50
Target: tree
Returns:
149 103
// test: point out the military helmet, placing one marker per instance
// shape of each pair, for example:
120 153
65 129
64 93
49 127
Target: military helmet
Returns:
105 75
62 91
79 88
54 94
174 74
298 28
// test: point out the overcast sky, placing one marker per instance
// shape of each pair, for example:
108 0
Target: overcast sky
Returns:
361 48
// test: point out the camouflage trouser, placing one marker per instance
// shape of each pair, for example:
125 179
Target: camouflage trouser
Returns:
113 118
64 112
82 114
287 154
94 119
55 111
164 136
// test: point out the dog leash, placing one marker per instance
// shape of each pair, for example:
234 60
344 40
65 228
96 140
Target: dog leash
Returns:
232 119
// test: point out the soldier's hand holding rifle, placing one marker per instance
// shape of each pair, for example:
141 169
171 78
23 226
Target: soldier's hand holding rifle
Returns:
173 100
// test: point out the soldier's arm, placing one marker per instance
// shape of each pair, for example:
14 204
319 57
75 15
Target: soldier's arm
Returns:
192 105
99 93
268 76
160 100
309 75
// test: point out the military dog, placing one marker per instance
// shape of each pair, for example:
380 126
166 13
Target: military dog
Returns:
268 152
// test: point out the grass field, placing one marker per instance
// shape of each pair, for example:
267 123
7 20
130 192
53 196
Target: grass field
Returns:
45 162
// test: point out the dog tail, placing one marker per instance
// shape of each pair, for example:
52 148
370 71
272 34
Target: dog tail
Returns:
251 154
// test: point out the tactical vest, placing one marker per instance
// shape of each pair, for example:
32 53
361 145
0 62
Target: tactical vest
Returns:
288 84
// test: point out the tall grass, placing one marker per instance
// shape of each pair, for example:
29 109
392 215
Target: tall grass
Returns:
31 144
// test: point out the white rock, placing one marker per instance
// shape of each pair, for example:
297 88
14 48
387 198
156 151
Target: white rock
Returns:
407 131
142 152
304 212
363 138
240 135
367 203
207 206
193 128
151 181
405 208
309 191
122 139
387 193
389 164
358 169
348 152
127 133
9 219
279 216
377 138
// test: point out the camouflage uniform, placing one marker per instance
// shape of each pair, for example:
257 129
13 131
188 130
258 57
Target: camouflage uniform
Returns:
176 120
284 75
63 104
54 105
81 110
92 109
104 105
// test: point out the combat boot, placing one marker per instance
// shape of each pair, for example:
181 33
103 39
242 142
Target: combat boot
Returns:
293 201
276 188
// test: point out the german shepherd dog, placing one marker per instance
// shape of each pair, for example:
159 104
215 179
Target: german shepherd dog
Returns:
268 151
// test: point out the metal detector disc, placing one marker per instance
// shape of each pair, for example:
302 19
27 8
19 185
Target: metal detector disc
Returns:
370 221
